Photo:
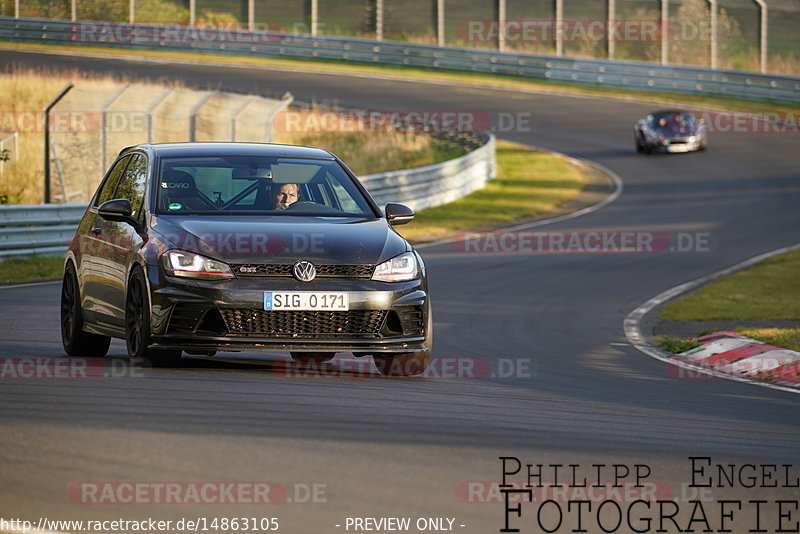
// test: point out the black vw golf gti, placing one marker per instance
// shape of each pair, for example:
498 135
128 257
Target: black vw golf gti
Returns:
206 247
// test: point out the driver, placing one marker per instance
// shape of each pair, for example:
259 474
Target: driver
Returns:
284 196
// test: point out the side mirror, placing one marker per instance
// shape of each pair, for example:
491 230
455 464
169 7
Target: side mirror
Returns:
398 214
118 210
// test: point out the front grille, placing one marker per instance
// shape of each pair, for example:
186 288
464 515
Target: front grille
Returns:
284 323
255 270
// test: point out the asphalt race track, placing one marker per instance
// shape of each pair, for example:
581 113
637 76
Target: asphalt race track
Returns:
378 447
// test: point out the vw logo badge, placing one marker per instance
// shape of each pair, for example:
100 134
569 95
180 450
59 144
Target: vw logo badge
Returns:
305 271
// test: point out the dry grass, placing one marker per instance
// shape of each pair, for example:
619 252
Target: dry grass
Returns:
365 149
24 94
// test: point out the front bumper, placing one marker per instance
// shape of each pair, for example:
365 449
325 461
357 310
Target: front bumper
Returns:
228 315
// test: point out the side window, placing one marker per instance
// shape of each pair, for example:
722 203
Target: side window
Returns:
110 185
132 185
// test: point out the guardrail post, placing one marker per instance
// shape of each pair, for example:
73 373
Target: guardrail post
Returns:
664 32
559 27
440 22
501 25
763 34
379 20
612 20
58 97
714 33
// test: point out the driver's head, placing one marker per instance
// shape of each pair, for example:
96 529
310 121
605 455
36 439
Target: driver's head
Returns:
284 195
662 121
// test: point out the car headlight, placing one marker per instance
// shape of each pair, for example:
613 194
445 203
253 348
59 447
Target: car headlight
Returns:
190 265
399 269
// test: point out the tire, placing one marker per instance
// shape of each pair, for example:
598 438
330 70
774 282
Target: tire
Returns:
77 342
639 146
408 363
312 357
137 325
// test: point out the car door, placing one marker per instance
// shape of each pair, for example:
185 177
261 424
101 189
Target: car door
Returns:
92 245
121 241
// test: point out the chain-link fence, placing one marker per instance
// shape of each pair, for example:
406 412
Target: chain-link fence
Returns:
90 127
738 34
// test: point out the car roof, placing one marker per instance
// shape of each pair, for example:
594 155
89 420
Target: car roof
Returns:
237 149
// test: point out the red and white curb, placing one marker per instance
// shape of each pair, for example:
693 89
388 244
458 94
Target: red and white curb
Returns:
732 355
632 325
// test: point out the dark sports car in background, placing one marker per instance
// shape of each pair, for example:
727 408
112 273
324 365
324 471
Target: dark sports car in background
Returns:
205 247
670 131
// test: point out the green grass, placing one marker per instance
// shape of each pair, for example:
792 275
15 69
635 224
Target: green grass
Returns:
767 291
463 78
675 345
787 338
529 182
34 268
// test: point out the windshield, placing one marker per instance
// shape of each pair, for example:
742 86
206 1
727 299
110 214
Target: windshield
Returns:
673 122
257 185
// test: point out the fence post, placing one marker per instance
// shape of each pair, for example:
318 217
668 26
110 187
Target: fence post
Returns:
193 115
104 126
132 10
664 32
714 33
763 34
16 9
612 20
58 97
440 22
559 29
157 102
235 115
74 10
251 15
192 12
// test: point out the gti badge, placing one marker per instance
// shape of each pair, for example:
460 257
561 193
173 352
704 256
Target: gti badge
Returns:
305 271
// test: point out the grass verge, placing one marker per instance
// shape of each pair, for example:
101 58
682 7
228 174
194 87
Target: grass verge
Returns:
787 338
529 182
675 345
767 291
31 269
467 78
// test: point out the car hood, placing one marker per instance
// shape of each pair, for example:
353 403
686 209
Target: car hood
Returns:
282 239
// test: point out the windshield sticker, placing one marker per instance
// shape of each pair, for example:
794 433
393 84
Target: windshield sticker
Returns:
175 206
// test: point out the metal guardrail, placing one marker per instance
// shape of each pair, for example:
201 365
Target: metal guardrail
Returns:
39 229
620 74
48 228
434 185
